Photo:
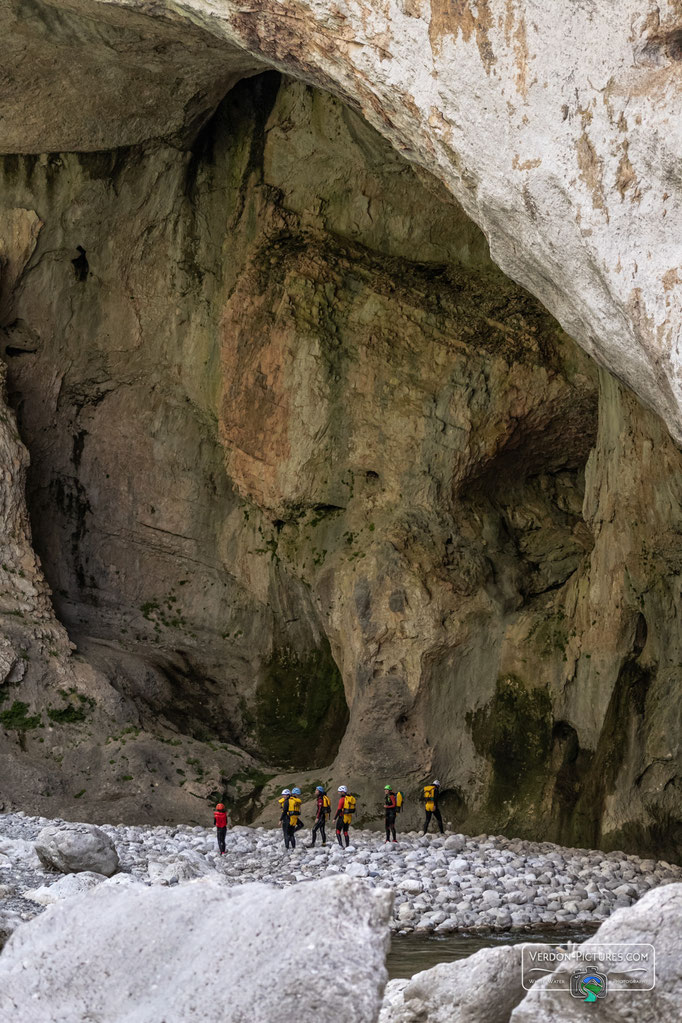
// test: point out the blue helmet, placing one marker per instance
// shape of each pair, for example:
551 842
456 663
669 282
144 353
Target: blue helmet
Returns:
295 792
320 788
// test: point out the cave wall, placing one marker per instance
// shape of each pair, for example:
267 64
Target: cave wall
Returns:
310 477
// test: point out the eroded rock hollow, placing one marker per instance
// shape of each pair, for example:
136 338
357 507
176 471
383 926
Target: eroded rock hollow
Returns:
315 487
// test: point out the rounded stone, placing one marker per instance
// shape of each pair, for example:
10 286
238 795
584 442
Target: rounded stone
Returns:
76 848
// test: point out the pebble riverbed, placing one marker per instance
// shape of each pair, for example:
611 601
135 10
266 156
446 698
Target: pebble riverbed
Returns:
443 884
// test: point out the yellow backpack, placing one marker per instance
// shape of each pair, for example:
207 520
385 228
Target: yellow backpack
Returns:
429 796
294 810
348 809
326 805
398 801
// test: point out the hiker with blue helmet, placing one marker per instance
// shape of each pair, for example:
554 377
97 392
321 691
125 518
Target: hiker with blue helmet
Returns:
296 793
324 808
291 818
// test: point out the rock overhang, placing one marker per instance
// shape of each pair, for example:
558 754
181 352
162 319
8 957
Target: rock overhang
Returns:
551 128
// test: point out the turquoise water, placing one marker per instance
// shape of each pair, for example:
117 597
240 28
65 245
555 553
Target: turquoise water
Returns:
412 953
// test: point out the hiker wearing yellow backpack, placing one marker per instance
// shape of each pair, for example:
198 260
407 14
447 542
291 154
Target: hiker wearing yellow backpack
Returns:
284 817
393 804
431 793
324 809
344 814
290 818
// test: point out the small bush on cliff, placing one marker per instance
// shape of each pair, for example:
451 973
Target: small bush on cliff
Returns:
18 718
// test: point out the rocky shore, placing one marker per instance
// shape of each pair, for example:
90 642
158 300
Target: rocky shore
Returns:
442 884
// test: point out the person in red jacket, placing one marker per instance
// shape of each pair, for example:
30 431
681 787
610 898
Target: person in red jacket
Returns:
220 818
323 812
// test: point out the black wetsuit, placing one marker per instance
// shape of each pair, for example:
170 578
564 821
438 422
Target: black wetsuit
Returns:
288 831
435 812
341 825
390 810
220 819
320 822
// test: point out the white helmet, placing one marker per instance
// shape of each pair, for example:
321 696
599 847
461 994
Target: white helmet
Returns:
437 783
286 792
342 788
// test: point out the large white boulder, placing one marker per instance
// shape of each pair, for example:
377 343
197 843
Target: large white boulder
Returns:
484 988
65 888
202 952
657 920
77 847
186 867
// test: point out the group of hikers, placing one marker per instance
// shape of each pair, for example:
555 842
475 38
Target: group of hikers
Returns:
290 816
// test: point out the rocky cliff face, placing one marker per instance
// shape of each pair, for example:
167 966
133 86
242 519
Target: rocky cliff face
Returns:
554 128
315 486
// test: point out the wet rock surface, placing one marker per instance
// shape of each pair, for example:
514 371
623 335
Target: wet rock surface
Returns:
637 947
451 992
655 920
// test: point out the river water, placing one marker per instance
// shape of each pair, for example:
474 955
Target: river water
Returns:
410 953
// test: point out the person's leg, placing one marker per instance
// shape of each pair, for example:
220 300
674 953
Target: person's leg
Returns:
387 823
285 832
221 839
436 814
292 836
318 826
426 822
393 827
346 835
339 826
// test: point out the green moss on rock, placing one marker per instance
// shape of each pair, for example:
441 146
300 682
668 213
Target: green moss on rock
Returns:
301 711
514 732
17 717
